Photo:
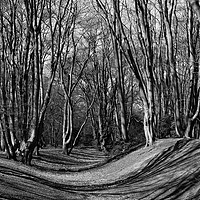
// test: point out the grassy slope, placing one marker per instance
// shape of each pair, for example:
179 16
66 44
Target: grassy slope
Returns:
170 169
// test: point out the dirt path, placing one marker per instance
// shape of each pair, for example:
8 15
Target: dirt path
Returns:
163 171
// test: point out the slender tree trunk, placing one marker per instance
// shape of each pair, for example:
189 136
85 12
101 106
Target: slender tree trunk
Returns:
123 118
64 146
118 61
118 132
102 134
147 88
67 135
2 144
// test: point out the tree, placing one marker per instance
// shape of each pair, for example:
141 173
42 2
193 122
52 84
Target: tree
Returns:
59 35
36 36
145 77
167 11
8 48
194 98
118 54
72 66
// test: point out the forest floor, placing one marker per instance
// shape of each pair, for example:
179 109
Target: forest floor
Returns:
168 170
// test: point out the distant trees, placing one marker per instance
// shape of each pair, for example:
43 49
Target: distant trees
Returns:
109 74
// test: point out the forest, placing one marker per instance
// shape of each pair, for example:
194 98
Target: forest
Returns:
99 99
98 70
103 74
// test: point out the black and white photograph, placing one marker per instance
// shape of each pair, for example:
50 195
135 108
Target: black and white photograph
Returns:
99 100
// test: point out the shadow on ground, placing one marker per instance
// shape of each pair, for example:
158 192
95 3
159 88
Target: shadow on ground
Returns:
171 174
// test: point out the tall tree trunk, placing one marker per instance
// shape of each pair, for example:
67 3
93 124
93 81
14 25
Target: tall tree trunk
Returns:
34 27
118 62
168 14
193 103
147 87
